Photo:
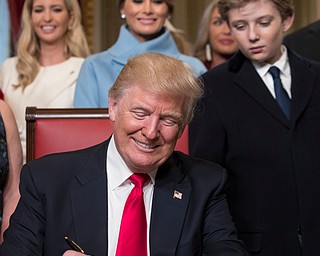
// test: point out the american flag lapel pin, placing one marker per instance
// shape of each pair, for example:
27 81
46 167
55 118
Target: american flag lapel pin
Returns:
177 194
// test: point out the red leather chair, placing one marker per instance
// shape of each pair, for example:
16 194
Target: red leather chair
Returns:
54 130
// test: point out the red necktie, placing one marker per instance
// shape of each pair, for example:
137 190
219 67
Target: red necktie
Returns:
132 239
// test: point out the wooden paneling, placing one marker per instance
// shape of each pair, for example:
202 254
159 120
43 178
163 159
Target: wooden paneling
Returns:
306 11
88 20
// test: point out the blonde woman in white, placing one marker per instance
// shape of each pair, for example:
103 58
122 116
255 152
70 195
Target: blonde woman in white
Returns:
50 52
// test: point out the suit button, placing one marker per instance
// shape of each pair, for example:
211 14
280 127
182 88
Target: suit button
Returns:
299 230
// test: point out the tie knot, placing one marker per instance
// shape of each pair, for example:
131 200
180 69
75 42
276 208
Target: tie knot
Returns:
139 179
275 72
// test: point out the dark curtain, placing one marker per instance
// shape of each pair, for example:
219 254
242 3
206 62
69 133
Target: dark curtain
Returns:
15 8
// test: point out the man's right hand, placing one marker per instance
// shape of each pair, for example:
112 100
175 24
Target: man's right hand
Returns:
73 253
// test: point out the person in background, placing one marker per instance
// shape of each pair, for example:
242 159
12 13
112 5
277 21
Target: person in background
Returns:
4 31
179 37
51 49
260 120
306 41
10 165
82 194
144 31
214 44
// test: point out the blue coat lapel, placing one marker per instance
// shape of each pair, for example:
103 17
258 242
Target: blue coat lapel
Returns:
162 44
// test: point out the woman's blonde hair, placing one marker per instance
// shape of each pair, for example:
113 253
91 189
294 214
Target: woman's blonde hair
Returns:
28 50
159 73
204 31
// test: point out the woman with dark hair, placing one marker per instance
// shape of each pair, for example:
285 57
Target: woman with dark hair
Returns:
144 31
10 165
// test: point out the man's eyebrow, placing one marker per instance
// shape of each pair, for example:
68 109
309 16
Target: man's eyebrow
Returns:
140 108
268 16
176 116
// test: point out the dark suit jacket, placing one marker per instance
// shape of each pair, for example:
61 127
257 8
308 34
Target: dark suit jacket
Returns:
66 194
273 163
306 41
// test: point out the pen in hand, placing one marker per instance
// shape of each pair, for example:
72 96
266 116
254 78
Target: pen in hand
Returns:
73 245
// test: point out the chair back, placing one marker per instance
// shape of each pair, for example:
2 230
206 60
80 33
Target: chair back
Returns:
51 130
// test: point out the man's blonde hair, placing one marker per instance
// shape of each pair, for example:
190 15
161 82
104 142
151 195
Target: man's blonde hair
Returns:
162 74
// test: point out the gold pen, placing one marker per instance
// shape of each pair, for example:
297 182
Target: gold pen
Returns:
73 245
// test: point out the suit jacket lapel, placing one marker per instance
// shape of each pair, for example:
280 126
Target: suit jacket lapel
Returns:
303 81
168 212
250 81
89 203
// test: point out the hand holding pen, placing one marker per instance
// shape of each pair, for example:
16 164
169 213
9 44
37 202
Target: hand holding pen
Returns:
72 253
76 249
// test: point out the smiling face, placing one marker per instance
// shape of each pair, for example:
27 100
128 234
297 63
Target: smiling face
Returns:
51 20
220 38
259 30
146 127
145 18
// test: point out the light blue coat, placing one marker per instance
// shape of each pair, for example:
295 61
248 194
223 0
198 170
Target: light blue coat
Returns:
99 71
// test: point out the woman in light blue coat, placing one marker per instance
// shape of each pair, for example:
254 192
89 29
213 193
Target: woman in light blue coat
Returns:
144 31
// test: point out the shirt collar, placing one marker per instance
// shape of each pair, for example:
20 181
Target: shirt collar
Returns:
282 63
118 172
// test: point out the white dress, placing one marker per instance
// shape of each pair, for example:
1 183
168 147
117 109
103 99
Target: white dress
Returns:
52 88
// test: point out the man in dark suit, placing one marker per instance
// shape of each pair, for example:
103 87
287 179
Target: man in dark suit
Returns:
82 194
272 154
306 41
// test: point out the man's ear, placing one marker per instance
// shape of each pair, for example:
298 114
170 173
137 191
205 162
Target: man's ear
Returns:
112 108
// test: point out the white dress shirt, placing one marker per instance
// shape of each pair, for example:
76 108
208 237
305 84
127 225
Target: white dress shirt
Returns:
119 188
285 72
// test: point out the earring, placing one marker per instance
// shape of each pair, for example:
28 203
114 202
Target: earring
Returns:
123 16
208 52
